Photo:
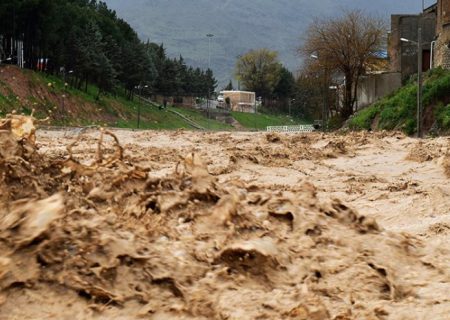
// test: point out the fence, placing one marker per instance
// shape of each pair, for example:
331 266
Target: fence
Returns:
299 128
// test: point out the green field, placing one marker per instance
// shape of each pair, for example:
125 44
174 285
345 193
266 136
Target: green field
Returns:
199 118
261 121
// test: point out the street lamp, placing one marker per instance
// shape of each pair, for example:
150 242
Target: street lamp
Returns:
210 36
419 79
140 88
325 92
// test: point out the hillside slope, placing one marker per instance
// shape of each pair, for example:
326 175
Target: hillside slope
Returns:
398 111
25 90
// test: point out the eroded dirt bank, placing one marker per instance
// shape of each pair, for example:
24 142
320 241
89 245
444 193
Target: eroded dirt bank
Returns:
184 225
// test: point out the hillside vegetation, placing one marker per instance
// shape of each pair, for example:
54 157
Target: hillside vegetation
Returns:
87 44
398 111
25 90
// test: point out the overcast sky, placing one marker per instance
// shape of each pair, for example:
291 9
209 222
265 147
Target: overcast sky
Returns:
240 25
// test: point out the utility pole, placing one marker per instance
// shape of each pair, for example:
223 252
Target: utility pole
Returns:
210 36
419 80
419 74
325 99
140 88
325 91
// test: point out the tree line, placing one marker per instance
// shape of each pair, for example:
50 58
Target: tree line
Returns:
336 53
85 41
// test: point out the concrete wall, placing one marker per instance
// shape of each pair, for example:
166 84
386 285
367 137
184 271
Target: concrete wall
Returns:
376 86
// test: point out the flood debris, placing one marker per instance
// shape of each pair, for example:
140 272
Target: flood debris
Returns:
87 231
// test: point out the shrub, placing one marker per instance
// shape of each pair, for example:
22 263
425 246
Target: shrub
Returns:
398 110
442 115
363 119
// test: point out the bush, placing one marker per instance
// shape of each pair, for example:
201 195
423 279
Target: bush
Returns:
335 122
442 115
363 119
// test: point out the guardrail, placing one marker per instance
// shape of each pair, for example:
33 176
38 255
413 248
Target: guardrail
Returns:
300 128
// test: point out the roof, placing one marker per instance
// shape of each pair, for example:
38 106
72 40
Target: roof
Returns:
236 91
430 8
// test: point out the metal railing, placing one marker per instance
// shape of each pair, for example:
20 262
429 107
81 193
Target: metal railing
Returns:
299 128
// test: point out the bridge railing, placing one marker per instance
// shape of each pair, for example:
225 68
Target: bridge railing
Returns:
298 128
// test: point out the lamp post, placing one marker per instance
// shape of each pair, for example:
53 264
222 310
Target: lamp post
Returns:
325 93
140 87
419 79
210 36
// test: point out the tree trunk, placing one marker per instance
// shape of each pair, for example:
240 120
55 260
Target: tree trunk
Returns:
347 109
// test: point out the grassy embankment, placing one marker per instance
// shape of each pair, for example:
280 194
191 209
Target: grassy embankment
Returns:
261 121
398 110
25 90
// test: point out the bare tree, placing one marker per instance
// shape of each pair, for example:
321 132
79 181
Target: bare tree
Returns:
348 45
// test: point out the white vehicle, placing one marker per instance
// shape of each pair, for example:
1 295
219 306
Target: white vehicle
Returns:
220 98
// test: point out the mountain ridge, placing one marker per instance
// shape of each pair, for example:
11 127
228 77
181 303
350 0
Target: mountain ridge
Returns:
238 26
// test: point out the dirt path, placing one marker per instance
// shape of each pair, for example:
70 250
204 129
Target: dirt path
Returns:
190 225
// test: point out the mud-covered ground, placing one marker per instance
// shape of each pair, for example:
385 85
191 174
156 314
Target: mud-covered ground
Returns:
188 225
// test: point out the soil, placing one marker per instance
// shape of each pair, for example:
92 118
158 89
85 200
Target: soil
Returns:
188 225
31 93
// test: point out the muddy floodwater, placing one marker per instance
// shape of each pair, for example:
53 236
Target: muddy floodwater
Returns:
192 225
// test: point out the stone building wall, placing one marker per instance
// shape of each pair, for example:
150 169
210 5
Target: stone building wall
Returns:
403 56
443 33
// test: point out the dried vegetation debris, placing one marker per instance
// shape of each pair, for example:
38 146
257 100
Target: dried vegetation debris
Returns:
186 246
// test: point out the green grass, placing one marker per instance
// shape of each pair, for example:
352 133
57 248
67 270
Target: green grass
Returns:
151 118
261 121
117 111
398 111
126 110
199 118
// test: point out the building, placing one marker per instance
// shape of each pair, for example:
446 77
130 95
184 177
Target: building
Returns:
442 47
403 55
402 51
242 101
435 22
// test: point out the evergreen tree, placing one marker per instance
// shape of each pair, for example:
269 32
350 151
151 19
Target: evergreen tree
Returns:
85 36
